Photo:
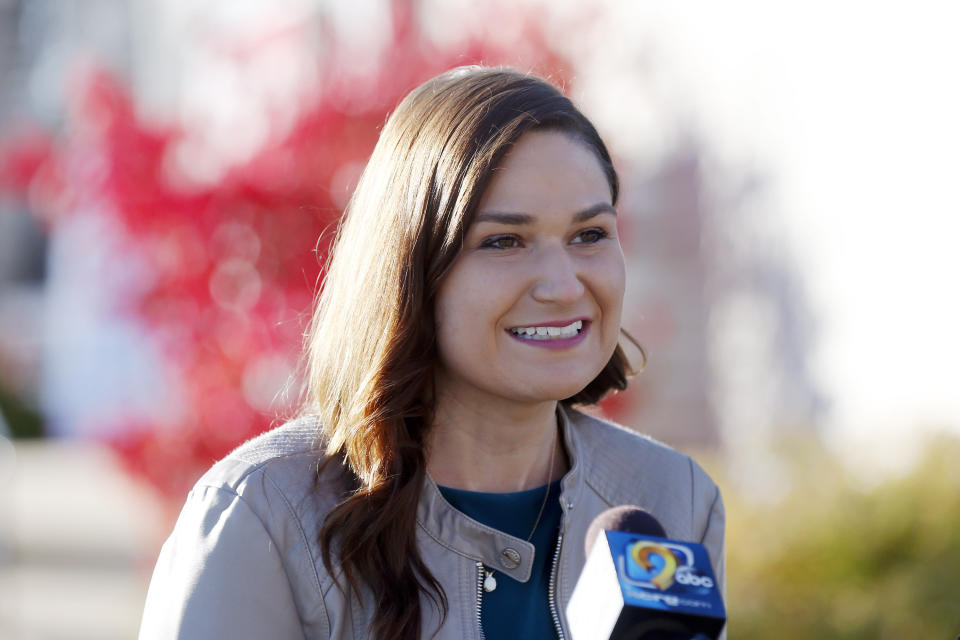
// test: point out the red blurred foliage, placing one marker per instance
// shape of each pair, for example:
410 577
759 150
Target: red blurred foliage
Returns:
234 264
22 155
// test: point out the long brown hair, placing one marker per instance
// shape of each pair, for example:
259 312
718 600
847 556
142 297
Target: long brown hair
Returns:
371 349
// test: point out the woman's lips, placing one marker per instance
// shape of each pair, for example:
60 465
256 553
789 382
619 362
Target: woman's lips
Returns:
562 334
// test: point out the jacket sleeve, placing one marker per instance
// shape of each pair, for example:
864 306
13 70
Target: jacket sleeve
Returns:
713 540
219 575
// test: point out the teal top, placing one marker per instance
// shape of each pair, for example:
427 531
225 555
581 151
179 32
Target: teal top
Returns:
516 609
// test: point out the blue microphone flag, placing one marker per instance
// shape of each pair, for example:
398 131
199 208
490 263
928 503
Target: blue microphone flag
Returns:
635 584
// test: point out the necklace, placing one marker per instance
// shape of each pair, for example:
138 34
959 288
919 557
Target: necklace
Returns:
489 582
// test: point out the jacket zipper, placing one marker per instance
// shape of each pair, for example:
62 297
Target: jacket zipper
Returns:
552 589
551 592
480 598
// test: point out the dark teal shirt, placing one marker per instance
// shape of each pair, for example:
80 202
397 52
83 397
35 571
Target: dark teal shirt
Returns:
516 609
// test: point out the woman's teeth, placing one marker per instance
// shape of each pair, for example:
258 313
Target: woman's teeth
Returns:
548 333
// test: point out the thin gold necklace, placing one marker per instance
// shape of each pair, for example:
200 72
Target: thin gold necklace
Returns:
489 582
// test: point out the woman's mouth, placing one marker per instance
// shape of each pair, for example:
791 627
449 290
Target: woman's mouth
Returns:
552 335
543 332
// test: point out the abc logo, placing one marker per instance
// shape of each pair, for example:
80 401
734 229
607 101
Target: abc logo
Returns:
652 562
661 564
686 577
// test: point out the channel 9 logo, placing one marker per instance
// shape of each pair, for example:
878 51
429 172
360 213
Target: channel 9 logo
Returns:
655 564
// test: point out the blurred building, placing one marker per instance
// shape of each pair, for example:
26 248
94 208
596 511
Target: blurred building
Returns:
717 305
58 345
22 245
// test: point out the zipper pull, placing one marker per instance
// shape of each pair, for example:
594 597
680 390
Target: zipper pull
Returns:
489 583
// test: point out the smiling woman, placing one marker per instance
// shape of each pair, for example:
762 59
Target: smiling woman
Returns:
440 483
529 313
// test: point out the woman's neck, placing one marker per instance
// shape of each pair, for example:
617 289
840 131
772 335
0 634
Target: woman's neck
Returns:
495 449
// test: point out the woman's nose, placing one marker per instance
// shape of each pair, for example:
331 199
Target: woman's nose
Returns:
558 280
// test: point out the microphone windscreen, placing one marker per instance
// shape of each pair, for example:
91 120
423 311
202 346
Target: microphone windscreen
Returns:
626 518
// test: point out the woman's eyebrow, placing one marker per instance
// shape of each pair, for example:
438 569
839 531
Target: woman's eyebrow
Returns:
504 218
525 218
595 210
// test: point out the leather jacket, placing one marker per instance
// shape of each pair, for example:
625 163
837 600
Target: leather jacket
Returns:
244 561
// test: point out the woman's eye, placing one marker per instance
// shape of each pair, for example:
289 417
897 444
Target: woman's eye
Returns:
501 242
590 236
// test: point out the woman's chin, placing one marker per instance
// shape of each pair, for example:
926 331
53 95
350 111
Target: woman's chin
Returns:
555 391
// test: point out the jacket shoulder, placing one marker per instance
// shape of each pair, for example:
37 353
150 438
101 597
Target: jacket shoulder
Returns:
274 449
599 430
257 513
283 477
612 446
627 467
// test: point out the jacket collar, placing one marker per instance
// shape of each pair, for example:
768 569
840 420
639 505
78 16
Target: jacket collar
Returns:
495 549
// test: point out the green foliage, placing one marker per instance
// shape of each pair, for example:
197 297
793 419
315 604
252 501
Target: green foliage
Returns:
834 560
22 420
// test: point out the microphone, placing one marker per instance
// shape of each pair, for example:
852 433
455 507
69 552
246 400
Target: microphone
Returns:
623 518
639 585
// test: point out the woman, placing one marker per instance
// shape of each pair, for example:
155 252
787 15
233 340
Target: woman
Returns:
439 483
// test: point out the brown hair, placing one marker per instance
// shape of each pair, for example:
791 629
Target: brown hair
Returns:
371 349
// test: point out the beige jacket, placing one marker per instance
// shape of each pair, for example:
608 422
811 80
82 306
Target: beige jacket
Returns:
243 561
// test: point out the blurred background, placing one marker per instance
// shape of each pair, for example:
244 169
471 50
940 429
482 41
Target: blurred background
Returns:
170 171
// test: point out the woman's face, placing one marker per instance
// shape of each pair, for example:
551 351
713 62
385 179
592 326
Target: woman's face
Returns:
530 310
